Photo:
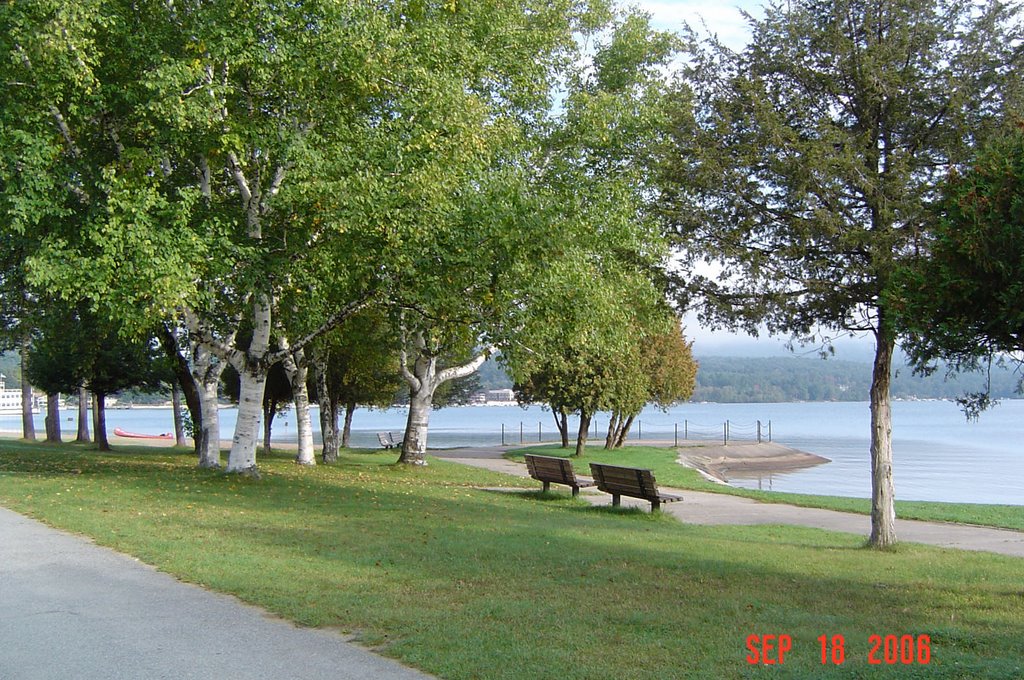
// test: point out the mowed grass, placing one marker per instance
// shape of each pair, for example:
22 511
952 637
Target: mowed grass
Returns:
668 472
427 566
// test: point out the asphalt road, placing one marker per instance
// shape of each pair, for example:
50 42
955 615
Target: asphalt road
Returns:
71 610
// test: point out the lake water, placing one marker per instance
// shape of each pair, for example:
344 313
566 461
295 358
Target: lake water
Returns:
939 456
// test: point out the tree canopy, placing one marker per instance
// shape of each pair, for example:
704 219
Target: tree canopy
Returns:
960 301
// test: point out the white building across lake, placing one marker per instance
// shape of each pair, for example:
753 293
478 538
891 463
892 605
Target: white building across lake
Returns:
10 400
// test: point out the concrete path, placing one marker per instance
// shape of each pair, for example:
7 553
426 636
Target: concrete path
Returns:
71 609
714 508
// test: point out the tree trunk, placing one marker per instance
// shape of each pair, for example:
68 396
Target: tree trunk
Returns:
328 413
53 418
242 457
414 448
883 509
613 430
562 423
269 411
423 381
252 372
83 416
189 375
179 425
207 429
581 435
99 414
624 428
95 415
297 370
28 425
346 433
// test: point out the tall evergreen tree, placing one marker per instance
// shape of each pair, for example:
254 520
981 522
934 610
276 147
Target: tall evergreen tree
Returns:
804 165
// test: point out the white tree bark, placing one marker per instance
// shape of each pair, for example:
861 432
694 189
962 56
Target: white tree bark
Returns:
209 430
252 365
252 372
297 370
206 366
423 379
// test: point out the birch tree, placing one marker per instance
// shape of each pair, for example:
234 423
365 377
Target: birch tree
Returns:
808 163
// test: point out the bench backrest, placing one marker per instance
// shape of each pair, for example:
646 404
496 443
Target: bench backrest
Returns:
550 469
627 481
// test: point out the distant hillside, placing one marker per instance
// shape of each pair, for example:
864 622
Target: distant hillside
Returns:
10 366
776 379
492 376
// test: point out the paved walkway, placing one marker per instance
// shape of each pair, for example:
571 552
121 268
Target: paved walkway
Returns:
71 609
714 508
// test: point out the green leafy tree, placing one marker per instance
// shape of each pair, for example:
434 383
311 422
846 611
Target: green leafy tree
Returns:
804 166
356 365
222 162
961 301
581 340
462 270
666 374
78 348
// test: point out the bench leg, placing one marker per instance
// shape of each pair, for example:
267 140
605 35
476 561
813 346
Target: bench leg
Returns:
575 491
615 499
655 506
547 485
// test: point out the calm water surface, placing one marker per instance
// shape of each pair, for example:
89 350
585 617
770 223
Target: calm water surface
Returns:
938 454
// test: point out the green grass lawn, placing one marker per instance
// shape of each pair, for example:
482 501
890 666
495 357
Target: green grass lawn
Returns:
668 472
427 566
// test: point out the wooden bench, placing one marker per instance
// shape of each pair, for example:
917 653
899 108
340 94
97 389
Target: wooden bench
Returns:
551 470
388 439
633 482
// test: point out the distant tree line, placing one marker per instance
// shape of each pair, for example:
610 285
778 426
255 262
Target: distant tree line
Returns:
779 379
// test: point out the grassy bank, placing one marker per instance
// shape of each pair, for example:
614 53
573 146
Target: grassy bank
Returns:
468 583
670 473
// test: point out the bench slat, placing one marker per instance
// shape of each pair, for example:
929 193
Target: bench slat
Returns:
551 470
634 482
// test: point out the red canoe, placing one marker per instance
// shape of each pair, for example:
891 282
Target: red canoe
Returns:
132 435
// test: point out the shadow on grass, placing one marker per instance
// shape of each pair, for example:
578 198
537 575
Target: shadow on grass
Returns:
577 504
536 495
636 512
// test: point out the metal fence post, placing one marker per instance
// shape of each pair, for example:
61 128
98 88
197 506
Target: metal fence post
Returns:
676 436
521 432
759 432
539 436
503 434
639 430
